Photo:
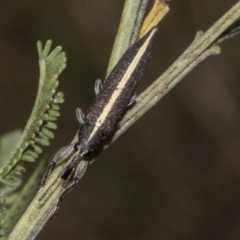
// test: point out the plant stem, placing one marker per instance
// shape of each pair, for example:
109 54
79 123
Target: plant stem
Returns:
131 20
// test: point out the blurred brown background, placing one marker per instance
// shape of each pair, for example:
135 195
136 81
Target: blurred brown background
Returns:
176 173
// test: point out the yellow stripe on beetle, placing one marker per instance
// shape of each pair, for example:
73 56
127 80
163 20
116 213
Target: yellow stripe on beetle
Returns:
122 83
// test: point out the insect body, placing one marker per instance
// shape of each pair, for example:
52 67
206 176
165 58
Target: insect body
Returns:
116 94
101 119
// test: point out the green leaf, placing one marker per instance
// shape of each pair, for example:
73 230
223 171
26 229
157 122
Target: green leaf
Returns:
38 130
7 143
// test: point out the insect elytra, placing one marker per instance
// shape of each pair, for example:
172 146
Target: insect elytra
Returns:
113 97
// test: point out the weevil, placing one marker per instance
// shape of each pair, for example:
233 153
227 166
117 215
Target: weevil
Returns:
101 119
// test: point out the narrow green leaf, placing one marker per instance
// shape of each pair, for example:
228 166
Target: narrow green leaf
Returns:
51 125
54 113
39 48
37 149
47 132
46 50
28 158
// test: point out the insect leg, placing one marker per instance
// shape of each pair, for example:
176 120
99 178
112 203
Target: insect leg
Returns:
60 156
70 167
79 172
98 86
80 116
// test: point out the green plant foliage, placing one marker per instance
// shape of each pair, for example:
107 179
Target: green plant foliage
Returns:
38 130
22 198
7 143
